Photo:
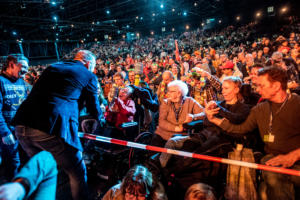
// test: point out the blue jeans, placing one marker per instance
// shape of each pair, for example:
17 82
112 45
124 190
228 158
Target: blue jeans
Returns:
41 174
66 156
279 186
10 159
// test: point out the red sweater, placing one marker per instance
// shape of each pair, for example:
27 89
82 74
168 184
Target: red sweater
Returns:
125 113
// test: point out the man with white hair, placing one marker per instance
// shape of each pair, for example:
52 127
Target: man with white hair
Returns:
48 118
175 111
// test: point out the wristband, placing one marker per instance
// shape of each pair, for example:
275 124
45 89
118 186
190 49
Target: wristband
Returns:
24 182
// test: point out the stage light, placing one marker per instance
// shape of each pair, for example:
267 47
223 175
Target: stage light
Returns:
14 33
184 13
108 12
109 38
173 9
123 36
56 39
187 27
258 14
72 25
220 21
173 29
55 18
127 26
67 39
137 35
137 17
152 33
161 5
238 18
47 40
164 22
53 3
141 18
284 10
195 4
96 39
93 22
153 14
202 24
56 34
92 29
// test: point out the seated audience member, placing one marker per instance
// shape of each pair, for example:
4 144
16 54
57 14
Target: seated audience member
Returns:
121 109
175 71
200 191
139 184
228 69
174 112
117 85
154 77
248 89
291 69
277 119
204 87
167 77
232 108
36 180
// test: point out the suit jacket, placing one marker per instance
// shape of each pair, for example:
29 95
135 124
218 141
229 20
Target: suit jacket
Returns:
54 101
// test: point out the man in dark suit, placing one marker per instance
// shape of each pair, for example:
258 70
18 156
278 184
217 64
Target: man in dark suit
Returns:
48 118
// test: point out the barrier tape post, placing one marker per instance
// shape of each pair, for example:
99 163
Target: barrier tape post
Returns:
191 155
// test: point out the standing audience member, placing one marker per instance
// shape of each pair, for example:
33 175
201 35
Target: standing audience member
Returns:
13 92
48 118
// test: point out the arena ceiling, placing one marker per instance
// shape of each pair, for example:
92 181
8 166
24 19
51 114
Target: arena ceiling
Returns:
71 20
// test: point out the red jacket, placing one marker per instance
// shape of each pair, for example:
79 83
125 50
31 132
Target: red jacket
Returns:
126 111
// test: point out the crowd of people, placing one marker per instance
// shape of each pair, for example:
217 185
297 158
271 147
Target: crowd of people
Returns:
240 84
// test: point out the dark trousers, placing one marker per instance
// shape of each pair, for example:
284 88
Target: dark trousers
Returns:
279 186
10 159
69 158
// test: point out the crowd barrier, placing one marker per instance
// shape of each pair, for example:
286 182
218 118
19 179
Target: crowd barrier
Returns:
188 154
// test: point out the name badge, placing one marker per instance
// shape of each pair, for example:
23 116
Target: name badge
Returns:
269 138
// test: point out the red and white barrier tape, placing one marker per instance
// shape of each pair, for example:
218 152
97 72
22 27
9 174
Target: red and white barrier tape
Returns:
188 154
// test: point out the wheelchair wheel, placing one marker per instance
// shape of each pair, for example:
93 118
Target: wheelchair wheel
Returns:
139 156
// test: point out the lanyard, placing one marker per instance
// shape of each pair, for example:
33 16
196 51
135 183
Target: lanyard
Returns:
177 111
271 113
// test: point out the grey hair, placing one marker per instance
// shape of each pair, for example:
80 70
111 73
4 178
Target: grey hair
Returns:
234 79
85 56
181 85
